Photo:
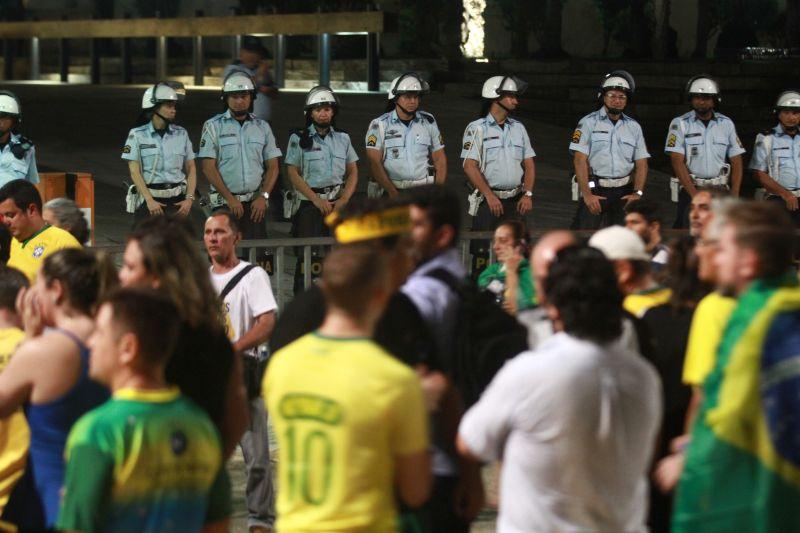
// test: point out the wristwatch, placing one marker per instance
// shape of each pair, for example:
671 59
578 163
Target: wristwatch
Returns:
265 195
191 197
529 194
640 193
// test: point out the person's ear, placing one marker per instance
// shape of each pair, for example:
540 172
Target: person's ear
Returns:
128 348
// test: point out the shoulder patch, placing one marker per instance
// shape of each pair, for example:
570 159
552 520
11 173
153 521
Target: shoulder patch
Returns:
467 145
673 127
671 140
127 149
372 140
202 142
576 136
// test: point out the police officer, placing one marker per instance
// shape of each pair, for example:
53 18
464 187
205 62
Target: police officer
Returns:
608 147
17 154
321 164
240 157
160 158
404 142
698 144
776 156
498 157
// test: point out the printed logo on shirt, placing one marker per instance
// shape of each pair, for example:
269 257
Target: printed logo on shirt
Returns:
372 140
177 441
576 136
38 251
126 149
672 140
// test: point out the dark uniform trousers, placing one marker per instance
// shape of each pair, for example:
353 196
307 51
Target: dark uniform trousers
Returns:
682 210
612 209
794 215
308 222
484 220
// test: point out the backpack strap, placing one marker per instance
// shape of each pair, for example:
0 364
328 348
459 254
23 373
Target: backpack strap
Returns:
446 277
235 281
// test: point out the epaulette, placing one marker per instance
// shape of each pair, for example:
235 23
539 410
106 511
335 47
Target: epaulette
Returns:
21 146
427 116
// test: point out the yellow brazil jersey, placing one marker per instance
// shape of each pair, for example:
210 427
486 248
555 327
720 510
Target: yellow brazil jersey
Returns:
14 434
343 409
638 303
708 324
29 254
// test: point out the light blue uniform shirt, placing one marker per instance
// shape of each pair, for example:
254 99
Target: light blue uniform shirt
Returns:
406 149
162 159
705 147
324 164
783 164
612 148
499 151
241 151
12 168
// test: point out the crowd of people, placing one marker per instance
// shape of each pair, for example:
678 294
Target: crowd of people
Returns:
620 382
645 394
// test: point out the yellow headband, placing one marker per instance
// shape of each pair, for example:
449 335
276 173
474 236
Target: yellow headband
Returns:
393 221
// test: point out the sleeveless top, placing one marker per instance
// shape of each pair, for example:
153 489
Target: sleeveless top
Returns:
50 424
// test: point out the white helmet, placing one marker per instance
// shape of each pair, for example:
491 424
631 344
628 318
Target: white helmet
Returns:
702 85
410 82
619 80
390 92
158 93
238 81
788 99
495 86
321 95
9 104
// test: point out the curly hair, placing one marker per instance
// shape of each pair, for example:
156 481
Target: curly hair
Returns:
582 286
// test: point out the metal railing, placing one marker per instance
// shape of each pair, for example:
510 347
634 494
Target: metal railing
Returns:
278 249
279 26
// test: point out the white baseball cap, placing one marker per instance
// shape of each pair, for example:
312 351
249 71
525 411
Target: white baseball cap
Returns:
617 242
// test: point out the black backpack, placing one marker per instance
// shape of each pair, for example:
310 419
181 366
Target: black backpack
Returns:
485 337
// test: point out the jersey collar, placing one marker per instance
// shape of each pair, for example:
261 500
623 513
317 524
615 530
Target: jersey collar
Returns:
152 396
29 239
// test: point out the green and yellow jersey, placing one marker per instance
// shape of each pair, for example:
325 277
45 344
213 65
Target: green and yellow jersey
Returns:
14 433
143 461
28 255
343 409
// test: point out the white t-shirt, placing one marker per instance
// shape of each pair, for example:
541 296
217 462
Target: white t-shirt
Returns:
251 298
575 425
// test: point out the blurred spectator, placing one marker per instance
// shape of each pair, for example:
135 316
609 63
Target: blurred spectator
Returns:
161 254
65 214
148 459
33 239
632 264
575 421
375 435
669 326
738 473
509 278
14 433
700 208
49 375
642 217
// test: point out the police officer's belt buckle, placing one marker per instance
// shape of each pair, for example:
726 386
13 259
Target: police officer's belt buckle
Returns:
614 183
328 193
408 184
505 194
171 192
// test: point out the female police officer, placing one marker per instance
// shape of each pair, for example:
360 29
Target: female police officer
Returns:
160 158
321 164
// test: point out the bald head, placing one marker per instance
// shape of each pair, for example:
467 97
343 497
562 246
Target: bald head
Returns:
545 252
